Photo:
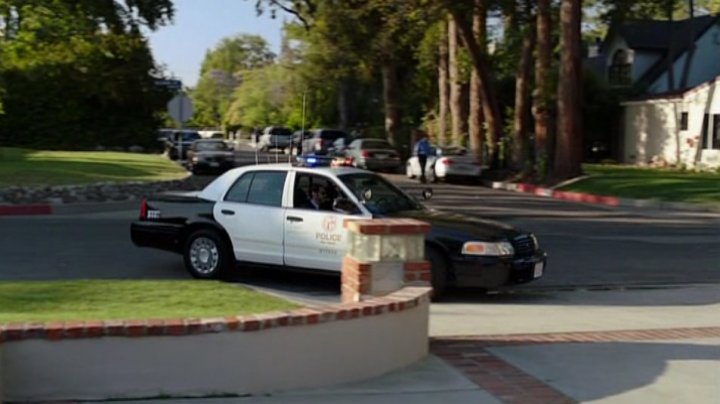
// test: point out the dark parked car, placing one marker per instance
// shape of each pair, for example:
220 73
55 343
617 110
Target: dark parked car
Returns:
373 154
210 155
322 141
178 143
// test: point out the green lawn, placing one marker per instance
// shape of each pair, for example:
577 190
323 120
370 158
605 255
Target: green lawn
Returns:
39 167
646 183
46 301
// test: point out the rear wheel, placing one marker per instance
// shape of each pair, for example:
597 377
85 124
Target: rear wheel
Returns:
207 255
438 267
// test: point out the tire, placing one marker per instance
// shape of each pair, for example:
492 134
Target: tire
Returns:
439 272
207 255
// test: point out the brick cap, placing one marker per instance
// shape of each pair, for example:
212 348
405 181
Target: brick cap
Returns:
387 226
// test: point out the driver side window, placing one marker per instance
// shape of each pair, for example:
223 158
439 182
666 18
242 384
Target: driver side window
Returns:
316 192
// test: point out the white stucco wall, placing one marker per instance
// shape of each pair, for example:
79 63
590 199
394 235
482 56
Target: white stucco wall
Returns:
705 63
228 362
651 129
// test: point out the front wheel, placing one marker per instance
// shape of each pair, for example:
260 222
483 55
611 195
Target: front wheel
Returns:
207 255
438 268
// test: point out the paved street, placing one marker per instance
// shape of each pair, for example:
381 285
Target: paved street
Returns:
587 245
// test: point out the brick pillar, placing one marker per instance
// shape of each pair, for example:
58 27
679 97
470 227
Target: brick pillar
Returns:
383 256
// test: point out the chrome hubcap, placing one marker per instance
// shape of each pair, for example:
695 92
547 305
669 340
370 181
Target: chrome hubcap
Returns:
204 255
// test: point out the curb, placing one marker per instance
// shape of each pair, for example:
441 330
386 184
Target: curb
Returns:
599 199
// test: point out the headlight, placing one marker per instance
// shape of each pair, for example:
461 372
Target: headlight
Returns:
500 249
195 159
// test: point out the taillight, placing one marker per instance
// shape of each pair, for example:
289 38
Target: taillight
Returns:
143 209
447 162
365 153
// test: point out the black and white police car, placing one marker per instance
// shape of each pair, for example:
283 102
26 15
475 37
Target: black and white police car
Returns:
271 214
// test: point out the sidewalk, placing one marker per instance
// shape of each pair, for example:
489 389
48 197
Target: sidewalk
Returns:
633 346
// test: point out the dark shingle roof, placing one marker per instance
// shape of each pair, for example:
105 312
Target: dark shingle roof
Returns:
657 35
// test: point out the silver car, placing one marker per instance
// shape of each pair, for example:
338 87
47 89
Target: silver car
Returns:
373 154
275 137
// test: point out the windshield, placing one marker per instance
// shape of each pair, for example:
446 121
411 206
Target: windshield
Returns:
386 198
332 134
280 132
211 146
190 136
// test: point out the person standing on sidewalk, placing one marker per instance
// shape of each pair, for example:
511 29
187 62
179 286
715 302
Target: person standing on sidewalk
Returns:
422 150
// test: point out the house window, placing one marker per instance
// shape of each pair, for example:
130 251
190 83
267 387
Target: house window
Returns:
621 68
684 121
704 132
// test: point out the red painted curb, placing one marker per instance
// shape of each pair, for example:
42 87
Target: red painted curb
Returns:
9 210
569 196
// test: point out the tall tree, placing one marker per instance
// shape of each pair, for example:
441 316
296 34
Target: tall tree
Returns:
491 109
457 110
476 119
542 92
443 85
222 71
568 156
521 126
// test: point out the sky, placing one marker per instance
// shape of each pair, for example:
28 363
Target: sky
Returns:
199 25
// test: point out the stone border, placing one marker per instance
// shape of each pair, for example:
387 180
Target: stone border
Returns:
36 196
401 300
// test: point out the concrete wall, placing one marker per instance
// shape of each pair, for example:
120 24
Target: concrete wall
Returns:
217 363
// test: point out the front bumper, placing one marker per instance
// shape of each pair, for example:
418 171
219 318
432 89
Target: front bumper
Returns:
163 236
213 166
495 272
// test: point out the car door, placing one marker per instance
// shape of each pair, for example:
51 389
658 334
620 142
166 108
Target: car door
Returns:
315 238
252 214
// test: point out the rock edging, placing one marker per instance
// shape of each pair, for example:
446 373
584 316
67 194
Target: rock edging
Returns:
90 193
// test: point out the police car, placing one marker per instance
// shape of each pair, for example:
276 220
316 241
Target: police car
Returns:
288 216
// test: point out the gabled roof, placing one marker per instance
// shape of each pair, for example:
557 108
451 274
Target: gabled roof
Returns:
666 38
657 35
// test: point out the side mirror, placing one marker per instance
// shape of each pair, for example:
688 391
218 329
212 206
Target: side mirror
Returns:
344 205
427 193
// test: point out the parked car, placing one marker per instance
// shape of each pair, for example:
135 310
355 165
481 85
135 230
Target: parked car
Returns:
178 143
447 163
210 156
373 154
261 215
322 141
298 137
275 137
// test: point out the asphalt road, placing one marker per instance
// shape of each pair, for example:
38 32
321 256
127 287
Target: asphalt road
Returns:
587 245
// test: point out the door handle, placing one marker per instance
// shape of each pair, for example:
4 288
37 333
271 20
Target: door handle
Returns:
294 219
227 212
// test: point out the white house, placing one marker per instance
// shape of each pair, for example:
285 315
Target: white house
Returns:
682 128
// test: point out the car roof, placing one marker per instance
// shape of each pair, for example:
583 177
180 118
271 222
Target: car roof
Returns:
215 189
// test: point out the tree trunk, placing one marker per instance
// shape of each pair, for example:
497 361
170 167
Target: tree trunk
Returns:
443 89
522 103
541 94
343 104
568 156
476 120
491 110
457 112
392 109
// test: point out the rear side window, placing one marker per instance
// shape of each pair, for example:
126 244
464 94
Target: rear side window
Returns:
267 188
238 192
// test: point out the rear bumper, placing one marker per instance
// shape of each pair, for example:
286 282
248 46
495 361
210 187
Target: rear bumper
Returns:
492 272
379 164
162 236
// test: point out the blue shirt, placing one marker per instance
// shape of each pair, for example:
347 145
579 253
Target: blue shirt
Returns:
422 147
